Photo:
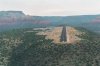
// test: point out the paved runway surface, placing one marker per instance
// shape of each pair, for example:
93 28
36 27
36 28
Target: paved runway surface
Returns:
63 37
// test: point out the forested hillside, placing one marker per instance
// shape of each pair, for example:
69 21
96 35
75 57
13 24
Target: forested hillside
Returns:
22 47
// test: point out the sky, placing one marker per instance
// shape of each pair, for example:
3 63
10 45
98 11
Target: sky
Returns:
52 7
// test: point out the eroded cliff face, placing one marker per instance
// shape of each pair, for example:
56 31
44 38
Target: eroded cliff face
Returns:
17 19
11 16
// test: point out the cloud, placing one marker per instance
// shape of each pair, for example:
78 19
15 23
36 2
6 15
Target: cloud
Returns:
52 7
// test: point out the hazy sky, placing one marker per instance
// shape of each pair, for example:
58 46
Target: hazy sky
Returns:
52 7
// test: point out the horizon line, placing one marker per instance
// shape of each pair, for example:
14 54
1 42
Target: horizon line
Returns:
49 15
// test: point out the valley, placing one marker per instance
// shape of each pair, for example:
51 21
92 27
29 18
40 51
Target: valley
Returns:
49 40
17 19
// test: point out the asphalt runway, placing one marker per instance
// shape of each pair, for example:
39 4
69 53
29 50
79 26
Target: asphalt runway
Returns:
63 37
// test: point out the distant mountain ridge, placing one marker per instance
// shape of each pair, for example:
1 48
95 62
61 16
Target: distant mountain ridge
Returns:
11 13
17 19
